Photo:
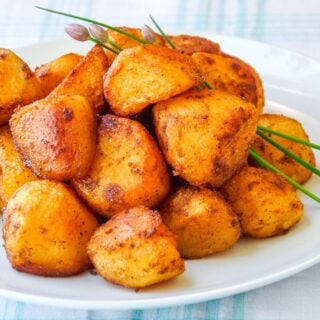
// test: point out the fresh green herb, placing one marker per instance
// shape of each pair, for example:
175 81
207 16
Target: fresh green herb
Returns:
263 163
132 36
162 32
103 45
208 85
80 33
288 137
289 153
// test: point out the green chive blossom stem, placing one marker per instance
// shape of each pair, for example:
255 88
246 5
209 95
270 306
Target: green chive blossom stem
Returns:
162 32
132 36
289 153
288 137
253 153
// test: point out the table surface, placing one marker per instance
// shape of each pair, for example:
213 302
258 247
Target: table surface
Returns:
292 24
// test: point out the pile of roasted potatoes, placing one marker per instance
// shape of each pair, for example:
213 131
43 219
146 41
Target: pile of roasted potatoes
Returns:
128 164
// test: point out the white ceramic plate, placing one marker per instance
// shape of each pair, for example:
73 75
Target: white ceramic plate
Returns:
291 84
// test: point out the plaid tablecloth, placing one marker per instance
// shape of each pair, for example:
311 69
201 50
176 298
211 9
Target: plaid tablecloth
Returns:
293 24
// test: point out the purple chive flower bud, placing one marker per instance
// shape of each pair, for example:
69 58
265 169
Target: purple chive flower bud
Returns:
77 31
98 32
148 34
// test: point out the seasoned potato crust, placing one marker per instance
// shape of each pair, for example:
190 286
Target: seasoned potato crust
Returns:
146 74
46 230
13 173
128 169
125 42
276 157
56 137
232 75
266 203
135 249
205 135
18 84
86 79
190 44
52 73
202 221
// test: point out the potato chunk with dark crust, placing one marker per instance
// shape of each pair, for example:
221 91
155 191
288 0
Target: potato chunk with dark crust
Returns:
147 74
128 169
205 135
202 220
86 79
125 42
52 73
18 84
266 203
135 249
188 44
56 136
46 230
276 157
232 75
13 172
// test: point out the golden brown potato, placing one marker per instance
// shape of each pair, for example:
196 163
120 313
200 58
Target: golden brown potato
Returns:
125 42
13 173
202 221
190 44
128 169
18 84
86 79
135 249
56 136
232 75
146 74
276 157
52 73
46 230
266 203
205 135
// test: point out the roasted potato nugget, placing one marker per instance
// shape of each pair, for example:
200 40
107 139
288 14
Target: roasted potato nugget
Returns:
128 169
52 73
146 74
13 173
232 75
190 44
86 79
46 230
266 203
125 42
205 135
56 137
18 84
135 249
276 157
202 221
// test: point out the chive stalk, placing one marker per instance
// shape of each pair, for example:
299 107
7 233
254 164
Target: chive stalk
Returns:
162 32
103 45
289 153
288 137
132 36
263 163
